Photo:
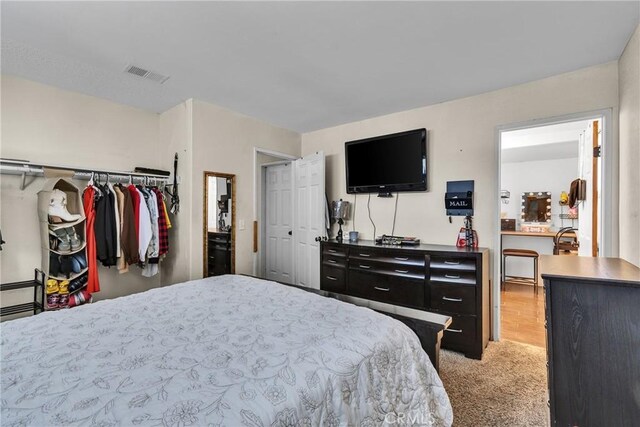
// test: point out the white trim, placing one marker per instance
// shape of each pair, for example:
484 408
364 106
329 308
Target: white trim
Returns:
257 210
609 150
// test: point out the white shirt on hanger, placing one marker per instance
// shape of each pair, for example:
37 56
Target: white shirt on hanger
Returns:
144 227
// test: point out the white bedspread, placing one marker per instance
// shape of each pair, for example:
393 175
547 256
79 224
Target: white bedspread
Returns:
225 351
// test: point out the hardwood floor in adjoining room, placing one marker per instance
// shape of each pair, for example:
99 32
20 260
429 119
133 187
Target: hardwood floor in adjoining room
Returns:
522 314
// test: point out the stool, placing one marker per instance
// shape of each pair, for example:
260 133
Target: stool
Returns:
522 253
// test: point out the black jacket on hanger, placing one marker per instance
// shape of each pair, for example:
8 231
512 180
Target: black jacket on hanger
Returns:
105 228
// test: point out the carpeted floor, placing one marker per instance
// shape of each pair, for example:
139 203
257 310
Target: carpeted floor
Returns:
508 387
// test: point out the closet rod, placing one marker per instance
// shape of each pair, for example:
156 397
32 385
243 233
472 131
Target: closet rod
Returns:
24 168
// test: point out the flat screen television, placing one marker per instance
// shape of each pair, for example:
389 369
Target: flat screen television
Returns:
387 164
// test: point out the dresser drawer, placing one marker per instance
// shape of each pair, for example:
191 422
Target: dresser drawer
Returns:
388 289
461 335
334 261
390 256
454 277
335 250
454 299
388 269
453 263
333 279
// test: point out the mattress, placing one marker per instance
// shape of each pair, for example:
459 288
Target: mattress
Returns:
223 351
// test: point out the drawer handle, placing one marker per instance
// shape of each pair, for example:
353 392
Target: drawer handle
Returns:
452 299
364 266
332 278
381 289
399 258
456 331
402 271
452 262
452 276
333 251
364 255
332 261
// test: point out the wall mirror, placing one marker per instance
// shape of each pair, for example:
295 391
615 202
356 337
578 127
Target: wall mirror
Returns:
536 207
219 217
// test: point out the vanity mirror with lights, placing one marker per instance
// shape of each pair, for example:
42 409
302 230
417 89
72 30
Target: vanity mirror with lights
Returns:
219 224
535 214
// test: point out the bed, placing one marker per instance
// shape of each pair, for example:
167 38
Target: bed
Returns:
222 351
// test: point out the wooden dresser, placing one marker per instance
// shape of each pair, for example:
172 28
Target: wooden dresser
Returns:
593 340
436 278
218 253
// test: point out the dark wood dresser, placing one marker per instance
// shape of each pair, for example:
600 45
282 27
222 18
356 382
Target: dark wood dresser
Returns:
435 278
218 253
593 340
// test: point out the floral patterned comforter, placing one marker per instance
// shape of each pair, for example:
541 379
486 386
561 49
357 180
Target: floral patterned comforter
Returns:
224 351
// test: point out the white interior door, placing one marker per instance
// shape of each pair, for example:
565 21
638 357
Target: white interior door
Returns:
586 206
309 218
279 223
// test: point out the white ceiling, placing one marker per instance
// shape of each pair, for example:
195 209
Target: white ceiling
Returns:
558 141
307 65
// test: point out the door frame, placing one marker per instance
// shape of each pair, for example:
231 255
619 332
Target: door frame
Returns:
607 210
258 203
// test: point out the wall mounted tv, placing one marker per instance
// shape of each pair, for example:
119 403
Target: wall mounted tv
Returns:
387 164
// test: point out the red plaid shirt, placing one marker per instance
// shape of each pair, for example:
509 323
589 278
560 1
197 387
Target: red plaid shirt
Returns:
163 231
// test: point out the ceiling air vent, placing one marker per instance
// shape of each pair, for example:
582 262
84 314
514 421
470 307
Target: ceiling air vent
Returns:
146 74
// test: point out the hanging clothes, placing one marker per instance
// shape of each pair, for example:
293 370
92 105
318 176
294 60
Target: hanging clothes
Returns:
151 267
144 223
163 230
116 215
121 263
129 241
154 247
93 282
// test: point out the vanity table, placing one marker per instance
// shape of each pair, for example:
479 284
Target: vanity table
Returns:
547 234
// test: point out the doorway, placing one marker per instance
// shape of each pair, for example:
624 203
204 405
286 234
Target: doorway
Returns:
290 211
540 163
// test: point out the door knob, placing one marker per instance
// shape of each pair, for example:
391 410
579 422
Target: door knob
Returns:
290 232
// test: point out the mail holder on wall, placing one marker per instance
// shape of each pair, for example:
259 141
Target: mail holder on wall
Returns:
459 198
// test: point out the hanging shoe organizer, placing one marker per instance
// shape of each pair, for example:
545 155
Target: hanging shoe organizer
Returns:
63 241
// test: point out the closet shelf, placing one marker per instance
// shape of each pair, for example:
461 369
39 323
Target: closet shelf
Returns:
54 227
25 167
71 277
84 245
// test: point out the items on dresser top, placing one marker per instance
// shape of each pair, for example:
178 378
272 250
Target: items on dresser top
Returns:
508 224
438 278
593 337
396 240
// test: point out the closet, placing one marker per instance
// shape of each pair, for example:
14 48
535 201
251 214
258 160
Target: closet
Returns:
117 220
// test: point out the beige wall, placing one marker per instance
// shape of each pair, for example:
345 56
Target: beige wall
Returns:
461 145
43 124
629 82
176 130
224 141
